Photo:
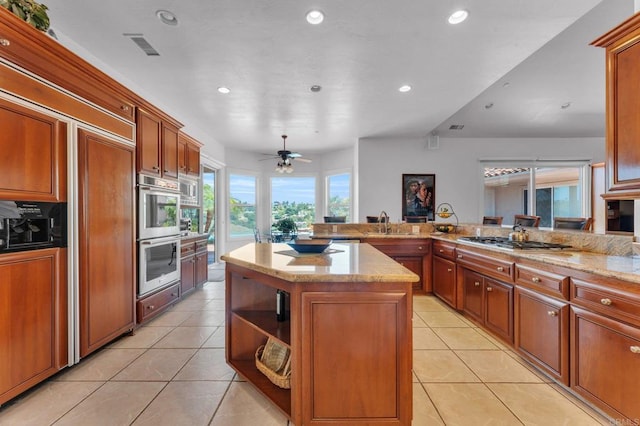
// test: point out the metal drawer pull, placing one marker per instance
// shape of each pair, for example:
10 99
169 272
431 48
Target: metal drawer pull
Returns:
420 248
535 279
441 251
4 42
477 284
552 313
605 302
459 256
635 349
499 269
489 288
449 269
151 307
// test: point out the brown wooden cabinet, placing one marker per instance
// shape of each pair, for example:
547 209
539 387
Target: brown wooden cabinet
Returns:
542 332
605 363
157 145
623 126
156 303
350 346
32 154
188 155
413 254
33 318
107 254
444 278
193 263
488 301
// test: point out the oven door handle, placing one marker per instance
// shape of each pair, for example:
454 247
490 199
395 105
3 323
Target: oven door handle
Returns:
162 240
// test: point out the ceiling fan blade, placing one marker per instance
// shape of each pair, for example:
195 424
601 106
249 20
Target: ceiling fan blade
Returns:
303 160
293 154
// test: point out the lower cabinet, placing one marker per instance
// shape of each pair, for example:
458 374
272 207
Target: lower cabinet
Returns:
605 363
542 332
413 254
490 302
444 280
193 263
33 318
154 304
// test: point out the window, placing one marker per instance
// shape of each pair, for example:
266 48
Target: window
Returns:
242 205
560 190
294 197
339 195
209 210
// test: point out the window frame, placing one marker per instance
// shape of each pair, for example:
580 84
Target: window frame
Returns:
256 177
327 194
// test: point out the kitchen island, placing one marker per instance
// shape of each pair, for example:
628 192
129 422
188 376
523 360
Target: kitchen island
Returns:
347 326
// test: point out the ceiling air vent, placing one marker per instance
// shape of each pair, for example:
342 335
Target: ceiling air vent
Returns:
143 44
456 127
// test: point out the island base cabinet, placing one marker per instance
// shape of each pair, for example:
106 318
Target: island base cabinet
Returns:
606 364
542 332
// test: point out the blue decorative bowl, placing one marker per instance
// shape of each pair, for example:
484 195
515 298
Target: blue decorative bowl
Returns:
316 245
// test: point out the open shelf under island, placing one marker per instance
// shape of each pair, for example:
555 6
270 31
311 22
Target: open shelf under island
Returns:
348 326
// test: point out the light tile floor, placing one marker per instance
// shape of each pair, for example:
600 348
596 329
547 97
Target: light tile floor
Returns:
173 372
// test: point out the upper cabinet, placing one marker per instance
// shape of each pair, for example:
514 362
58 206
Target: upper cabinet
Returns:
157 145
623 108
188 155
33 155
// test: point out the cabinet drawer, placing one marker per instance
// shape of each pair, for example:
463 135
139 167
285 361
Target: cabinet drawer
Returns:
187 249
443 249
154 304
201 246
399 246
544 281
496 268
609 301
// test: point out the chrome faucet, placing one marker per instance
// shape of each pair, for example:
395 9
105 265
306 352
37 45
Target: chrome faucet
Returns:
386 222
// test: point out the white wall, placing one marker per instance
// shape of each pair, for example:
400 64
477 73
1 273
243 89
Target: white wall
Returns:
381 163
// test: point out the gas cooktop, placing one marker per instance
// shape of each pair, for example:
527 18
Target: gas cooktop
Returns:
504 242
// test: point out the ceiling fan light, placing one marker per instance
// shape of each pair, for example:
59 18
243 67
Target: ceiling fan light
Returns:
289 169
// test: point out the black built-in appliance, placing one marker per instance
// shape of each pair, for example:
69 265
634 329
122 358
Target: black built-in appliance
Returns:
32 225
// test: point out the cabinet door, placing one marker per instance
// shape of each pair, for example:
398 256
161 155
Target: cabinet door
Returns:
605 363
193 159
33 319
32 155
107 255
182 154
473 294
542 332
498 312
187 274
444 280
202 268
169 151
148 143
414 264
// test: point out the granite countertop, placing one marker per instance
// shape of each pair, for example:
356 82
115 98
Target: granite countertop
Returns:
347 263
626 268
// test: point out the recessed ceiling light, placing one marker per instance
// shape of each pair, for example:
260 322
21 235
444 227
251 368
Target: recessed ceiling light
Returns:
315 17
167 17
489 105
404 88
565 105
224 90
458 16
315 88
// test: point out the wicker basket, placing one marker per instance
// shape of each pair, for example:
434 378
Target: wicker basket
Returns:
273 355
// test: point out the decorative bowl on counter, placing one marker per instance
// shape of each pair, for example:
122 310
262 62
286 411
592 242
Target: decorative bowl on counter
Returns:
444 227
316 245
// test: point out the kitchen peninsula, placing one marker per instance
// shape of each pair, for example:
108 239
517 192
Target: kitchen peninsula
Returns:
348 327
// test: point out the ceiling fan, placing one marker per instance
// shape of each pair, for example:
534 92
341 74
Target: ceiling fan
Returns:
285 156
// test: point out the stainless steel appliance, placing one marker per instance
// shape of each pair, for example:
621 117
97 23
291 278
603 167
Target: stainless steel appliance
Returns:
159 263
32 225
158 207
189 194
509 244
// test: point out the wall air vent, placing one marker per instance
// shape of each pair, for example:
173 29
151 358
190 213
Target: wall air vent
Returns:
456 127
143 44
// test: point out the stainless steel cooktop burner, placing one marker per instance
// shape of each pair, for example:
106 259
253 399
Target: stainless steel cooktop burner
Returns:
504 242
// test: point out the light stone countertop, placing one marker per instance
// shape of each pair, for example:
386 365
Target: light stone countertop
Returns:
351 263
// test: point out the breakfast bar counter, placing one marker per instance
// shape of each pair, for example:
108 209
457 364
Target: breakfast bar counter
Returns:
346 328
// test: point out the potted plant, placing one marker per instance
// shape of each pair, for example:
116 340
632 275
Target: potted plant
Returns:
33 13
287 226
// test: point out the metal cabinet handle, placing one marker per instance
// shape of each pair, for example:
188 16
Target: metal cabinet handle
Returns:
174 294
635 349
459 256
477 284
420 248
4 42
124 107
155 168
151 307
605 301
489 288
499 269
449 269
441 251
552 313
535 279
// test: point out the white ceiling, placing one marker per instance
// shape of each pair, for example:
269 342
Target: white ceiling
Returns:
269 57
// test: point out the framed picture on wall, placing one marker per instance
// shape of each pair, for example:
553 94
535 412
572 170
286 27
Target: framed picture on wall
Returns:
418 197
